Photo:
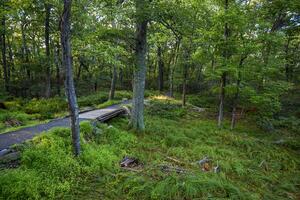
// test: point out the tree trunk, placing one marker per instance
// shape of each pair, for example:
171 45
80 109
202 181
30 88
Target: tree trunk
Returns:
11 59
113 84
58 65
79 68
223 77
137 117
4 61
185 73
111 95
222 97
287 63
184 86
237 94
25 51
160 69
172 68
121 78
48 68
67 63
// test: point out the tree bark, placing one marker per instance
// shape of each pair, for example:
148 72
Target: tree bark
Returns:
237 94
185 73
58 65
222 98
4 61
172 68
48 66
11 59
111 95
137 117
160 69
25 51
113 83
224 74
67 63
287 63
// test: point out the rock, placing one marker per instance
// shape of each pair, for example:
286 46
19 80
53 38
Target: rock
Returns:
13 156
217 169
207 165
204 160
4 152
12 122
129 162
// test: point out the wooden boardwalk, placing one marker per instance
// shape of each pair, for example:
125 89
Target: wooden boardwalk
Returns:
23 134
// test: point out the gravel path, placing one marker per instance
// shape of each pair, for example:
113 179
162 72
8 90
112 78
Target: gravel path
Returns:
19 136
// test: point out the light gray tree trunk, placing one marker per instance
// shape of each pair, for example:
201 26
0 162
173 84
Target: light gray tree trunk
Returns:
172 67
111 95
185 73
67 63
11 59
48 65
25 51
160 69
58 66
137 117
113 83
237 94
224 74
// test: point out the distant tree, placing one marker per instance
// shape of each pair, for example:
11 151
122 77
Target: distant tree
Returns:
47 41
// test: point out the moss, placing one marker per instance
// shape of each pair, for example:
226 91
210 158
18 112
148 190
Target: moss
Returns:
252 166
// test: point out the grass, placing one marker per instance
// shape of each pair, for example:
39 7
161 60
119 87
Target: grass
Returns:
252 166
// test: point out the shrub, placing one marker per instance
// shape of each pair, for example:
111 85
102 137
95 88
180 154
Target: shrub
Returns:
14 118
46 107
92 100
168 109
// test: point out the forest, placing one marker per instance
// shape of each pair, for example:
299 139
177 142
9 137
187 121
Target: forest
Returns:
150 99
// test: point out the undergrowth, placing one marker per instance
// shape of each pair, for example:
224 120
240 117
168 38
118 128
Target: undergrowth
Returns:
24 112
252 166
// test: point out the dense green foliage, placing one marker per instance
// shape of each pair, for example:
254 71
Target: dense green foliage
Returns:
232 60
252 166
192 44
26 112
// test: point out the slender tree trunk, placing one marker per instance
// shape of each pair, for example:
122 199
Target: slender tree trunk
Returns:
4 61
25 51
111 95
79 68
58 65
224 74
48 68
67 63
184 86
11 59
287 63
222 97
95 86
160 69
137 117
172 68
185 73
113 83
237 94
121 74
